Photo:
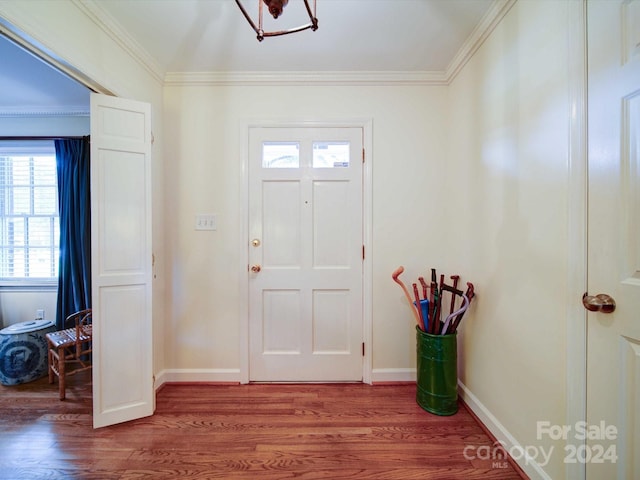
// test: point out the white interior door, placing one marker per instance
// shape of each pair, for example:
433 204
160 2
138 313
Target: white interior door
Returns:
305 254
613 359
121 259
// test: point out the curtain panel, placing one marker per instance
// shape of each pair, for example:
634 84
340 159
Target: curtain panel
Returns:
74 203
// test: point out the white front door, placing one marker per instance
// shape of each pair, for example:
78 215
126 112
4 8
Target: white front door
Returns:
613 358
121 259
306 254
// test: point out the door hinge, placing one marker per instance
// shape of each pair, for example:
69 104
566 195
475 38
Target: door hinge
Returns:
363 349
362 252
363 155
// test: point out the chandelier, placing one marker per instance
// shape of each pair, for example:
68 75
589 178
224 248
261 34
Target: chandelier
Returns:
275 9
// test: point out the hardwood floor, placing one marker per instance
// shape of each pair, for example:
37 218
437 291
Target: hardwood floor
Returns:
308 431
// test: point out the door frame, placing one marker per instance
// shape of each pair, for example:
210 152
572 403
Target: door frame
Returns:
577 183
367 215
51 58
54 60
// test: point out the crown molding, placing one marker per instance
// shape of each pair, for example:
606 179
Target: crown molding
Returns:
20 112
112 28
491 19
304 78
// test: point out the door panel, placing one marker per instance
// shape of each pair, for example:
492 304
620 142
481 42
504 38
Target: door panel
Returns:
613 360
125 216
282 235
330 249
331 321
280 334
305 305
121 260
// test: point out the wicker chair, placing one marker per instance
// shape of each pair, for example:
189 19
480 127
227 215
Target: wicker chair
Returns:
70 349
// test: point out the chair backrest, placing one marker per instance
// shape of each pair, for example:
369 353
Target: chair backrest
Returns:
82 320
81 317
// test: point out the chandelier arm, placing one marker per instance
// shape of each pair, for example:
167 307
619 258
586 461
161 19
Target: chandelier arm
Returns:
291 30
259 18
261 34
246 15
312 16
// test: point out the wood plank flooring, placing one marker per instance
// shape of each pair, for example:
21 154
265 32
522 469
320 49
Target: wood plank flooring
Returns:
199 431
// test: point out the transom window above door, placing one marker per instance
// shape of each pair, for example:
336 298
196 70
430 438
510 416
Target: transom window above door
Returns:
287 154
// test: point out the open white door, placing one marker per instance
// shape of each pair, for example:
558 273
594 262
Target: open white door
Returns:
121 260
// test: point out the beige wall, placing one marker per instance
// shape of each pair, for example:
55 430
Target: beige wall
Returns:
20 305
203 138
508 177
44 126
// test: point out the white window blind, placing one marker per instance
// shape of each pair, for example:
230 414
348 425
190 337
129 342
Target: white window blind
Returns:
29 220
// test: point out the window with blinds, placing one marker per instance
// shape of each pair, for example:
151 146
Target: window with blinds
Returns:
29 221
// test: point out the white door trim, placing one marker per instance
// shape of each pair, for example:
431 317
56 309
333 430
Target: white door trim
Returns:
576 366
367 214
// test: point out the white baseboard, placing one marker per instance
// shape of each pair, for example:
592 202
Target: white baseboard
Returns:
203 375
384 375
502 435
232 375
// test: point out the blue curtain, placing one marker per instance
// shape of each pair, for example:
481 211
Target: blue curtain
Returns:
74 202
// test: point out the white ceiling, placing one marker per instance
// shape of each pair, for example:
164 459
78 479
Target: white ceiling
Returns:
409 36
353 35
30 86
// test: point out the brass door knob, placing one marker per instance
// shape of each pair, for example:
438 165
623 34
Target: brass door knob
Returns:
256 268
599 303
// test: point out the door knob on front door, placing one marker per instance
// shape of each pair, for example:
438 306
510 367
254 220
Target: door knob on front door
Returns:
599 303
256 268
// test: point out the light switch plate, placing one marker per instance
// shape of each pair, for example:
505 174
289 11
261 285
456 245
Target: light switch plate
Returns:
206 222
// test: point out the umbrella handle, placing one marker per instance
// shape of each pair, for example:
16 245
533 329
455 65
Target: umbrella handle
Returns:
395 276
463 308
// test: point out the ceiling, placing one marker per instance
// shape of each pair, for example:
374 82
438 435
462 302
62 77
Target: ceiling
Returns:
360 35
28 86
409 36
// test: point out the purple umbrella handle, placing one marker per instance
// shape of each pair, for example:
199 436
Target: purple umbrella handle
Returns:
451 316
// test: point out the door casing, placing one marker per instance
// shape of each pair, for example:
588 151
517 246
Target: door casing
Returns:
576 403
367 128
55 60
576 367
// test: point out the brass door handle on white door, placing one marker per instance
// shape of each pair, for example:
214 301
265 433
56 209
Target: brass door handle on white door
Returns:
256 268
599 303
